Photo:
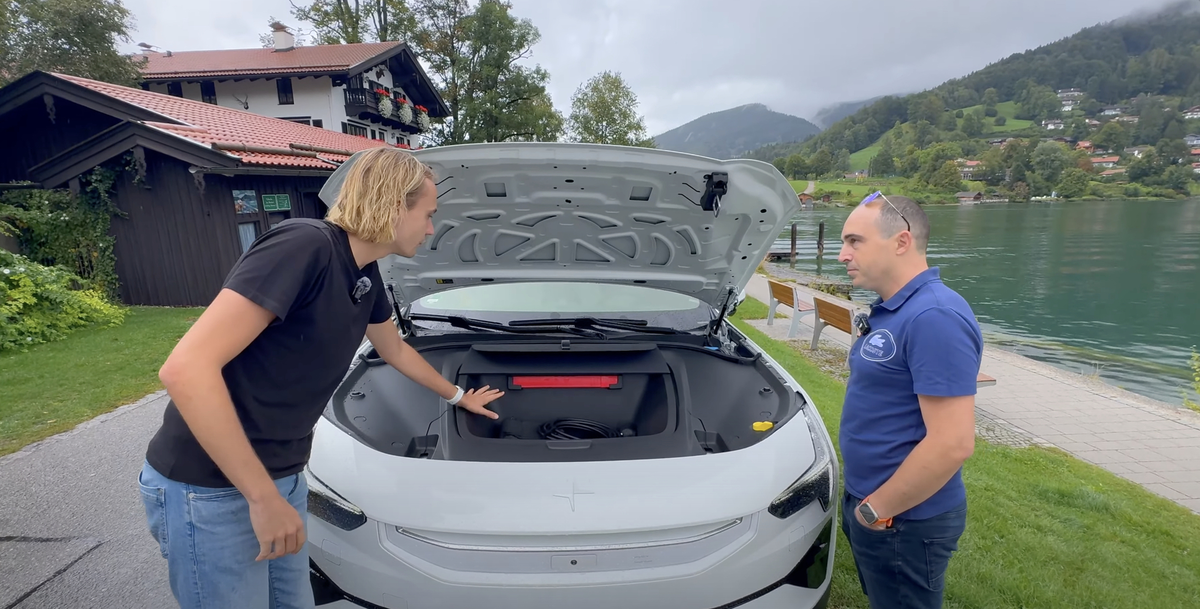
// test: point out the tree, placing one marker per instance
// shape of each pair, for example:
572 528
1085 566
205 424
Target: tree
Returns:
604 111
355 21
821 163
1050 159
990 98
77 37
972 126
1172 152
947 122
1144 167
474 56
1073 183
797 166
1112 136
505 101
1179 179
1000 121
948 177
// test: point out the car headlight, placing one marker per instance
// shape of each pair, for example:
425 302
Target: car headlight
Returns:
815 484
331 507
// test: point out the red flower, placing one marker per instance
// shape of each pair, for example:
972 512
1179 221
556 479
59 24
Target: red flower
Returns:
402 100
423 109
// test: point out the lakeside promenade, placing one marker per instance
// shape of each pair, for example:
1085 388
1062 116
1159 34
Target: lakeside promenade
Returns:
1154 444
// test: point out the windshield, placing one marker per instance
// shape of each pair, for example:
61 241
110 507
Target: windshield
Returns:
556 299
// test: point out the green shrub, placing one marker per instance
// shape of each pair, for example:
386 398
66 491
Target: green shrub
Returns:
990 112
1000 121
39 304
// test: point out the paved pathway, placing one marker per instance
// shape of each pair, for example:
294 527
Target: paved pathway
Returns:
72 527
1151 443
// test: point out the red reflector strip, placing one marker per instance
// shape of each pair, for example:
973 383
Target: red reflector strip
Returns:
573 382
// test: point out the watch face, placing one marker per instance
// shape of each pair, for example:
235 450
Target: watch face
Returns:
868 514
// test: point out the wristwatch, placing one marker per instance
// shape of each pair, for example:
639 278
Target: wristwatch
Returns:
870 516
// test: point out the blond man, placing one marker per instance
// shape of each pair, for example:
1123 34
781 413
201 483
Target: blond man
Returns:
222 483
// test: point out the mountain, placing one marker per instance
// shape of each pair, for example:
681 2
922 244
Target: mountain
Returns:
1109 63
829 115
734 132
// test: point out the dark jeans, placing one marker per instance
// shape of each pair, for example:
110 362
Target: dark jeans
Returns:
905 565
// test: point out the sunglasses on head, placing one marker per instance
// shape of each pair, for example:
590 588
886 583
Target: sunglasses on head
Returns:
877 194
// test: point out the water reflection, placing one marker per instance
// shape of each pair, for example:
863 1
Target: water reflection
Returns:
1099 287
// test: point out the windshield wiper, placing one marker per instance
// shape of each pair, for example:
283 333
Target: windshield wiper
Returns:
468 323
629 325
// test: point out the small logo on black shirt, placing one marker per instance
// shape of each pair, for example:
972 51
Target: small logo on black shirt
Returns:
361 288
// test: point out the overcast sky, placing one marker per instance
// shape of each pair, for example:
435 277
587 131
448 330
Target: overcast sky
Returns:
686 58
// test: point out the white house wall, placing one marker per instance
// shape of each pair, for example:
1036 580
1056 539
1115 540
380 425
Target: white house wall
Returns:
314 98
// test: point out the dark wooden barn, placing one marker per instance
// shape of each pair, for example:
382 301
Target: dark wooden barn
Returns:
214 178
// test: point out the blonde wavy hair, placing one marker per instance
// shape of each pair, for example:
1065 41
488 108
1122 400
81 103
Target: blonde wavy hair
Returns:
379 188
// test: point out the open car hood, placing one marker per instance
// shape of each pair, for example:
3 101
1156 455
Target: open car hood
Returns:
515 212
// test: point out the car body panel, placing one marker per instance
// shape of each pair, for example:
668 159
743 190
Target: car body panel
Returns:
511 212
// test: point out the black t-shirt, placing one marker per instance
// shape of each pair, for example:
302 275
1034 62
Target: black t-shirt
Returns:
304 272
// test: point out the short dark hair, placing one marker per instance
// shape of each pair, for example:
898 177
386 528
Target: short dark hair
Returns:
891 222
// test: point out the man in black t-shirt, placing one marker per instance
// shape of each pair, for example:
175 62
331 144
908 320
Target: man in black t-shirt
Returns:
222 483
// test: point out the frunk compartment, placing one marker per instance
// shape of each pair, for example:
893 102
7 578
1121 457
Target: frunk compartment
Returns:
565 391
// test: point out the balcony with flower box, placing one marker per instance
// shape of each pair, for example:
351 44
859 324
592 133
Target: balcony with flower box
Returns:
390 109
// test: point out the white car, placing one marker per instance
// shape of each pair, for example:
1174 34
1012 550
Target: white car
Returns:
647 454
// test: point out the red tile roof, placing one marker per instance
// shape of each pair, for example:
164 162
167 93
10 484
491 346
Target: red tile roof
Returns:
236 62
206 124
1106 159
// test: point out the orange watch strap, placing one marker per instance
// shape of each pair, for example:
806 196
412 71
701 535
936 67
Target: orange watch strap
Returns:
887 522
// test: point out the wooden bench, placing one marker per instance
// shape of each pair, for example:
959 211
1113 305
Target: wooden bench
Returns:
836 315
782 293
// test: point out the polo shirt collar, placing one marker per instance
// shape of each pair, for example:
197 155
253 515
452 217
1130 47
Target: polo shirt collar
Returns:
930 274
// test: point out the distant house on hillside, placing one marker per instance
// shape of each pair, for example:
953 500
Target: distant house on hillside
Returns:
1112 172
1093 123
1196 167
1105 161
1070 94
1127 119
1113 110
1192 113
374 90
1069 104
1053 124
1192 140
969 197
967 168
1084 145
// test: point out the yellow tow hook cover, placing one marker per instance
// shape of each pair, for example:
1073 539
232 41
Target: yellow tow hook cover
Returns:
763 425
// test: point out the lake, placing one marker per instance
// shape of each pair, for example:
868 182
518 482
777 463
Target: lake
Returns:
1106 288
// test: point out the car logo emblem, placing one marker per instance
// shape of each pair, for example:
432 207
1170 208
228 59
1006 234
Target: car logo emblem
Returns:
574 492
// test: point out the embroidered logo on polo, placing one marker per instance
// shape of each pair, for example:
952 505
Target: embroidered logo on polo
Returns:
878 346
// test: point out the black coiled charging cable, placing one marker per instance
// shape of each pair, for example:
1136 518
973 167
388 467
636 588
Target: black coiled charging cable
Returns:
575 429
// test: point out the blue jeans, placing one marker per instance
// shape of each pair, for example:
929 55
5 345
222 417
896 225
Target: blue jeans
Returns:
206 536
905 565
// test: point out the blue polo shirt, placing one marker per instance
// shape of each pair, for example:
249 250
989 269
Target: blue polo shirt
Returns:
924 340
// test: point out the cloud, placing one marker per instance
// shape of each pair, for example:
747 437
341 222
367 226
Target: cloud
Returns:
686 58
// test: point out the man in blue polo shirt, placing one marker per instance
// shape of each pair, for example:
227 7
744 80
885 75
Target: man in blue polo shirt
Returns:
908 424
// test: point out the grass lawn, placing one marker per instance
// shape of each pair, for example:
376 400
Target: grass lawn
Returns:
1006 109
54 387
859 161
1044 529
